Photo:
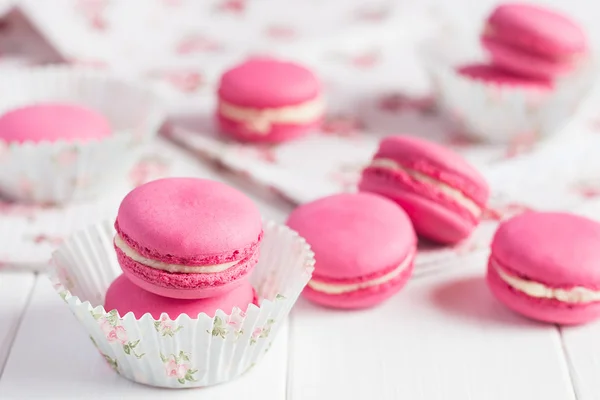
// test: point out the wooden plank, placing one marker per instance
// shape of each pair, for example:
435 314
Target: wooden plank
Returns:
53 356
444 337
15 289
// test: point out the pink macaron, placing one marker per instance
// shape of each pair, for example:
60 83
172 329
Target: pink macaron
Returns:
124 296
364 247
52 122
545 266
533 41
442 193
268 100
490 74
187 238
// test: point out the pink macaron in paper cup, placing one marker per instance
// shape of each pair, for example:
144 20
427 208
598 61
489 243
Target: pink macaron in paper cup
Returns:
69 134
187 351
491 105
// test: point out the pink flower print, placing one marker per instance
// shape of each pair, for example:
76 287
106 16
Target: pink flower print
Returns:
179 367
166 327
256 333
342 125
113 333
93 12
280 32
521 144
398 102
186 81
196 43
505 211
458 139
346 176
42 238
176 370
587 190
67 157
147 169
366 60
232 6
236 318
25 187
372 14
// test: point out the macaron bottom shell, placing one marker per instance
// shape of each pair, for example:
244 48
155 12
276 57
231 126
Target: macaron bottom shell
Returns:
524 63
276 133
186 285
362 298
545 310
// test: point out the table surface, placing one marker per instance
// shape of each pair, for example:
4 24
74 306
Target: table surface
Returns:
443 337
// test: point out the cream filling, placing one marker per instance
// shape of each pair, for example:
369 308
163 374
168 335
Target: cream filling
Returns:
448 190
575 295
332 288
200 269
259 120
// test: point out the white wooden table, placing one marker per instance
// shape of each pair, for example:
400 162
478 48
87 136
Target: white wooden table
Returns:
442 338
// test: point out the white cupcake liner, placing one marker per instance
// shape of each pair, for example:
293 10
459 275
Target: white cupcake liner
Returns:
501 114
185 352
61 172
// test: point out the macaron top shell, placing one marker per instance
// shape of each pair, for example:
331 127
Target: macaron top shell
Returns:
266 82
538 28
437 162
491 74
354 235
125 296
186 219
52 122
556 249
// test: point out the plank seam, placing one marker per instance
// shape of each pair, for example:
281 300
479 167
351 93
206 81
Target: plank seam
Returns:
570 366
11 340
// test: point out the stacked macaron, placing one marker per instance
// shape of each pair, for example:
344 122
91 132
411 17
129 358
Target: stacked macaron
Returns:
185 245
529 47
365 243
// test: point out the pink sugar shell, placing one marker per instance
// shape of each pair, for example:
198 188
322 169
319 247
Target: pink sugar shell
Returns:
538 29
50 122
268 83
491 74
356 238
558 250
434 214
124 296
189 222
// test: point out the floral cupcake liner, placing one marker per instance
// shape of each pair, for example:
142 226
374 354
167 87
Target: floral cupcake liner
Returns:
501 114
60 172
185 352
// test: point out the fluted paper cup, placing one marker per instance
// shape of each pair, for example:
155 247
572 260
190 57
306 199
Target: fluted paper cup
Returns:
64 171
188 351
500 114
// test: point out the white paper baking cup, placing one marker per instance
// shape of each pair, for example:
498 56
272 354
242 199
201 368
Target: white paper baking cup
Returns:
500 114
186 352
60 172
